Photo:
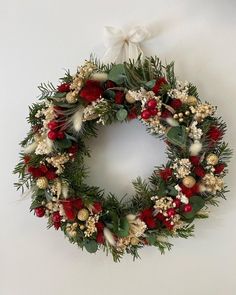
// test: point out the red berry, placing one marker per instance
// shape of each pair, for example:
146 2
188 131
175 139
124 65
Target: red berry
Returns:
152 103
73 149
154 112
97 208
52 125
145 114
60 135
176 203
56 217
52 135
170 212
187 208
100 238
39 212
168 224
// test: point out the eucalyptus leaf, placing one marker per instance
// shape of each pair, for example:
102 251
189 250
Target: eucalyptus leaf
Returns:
177 135
109 94
150 84
121 115
117 74
91 246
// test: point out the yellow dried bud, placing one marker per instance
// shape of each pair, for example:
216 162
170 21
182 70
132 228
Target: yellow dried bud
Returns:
42 182
83 214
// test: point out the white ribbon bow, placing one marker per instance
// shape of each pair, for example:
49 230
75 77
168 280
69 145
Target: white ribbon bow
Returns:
122 47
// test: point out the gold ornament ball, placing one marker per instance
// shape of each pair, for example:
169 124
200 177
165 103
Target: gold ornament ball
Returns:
189 181
129 98
82 227
71 98
134 241
212 159
83 214
42 182
191 100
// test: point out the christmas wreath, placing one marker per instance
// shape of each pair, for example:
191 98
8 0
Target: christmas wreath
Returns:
52 162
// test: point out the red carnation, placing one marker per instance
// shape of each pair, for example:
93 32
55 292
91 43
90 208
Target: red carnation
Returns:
176 103
100 238
146 213
64 87
160 216
35 172
199 171
91 91
219 168
214 133
195 160
43 168
97 208
150 222
39 212
158 84
165 174
119 97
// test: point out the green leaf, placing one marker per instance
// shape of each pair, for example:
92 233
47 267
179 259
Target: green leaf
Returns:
91 246
117 74
173 192
123 227
121 115
197 203
63 144
150 84
177 135
152 239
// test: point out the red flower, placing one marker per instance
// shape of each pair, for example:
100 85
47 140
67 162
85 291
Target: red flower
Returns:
176 103
189 192
43 168
219 168
39 212
150 222
110 84
97 208
35 172
166 114
27 159
158 84
64 87
119 97
168 224
132 114
73 150
71 206
91 91
56 219
199 171
195 160
145 213
215 134
160 216
165 174
100 238
50 175
99 225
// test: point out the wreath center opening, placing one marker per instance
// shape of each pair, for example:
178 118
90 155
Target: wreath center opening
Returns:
119 154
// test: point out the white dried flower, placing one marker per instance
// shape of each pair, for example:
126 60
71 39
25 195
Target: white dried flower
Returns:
181 167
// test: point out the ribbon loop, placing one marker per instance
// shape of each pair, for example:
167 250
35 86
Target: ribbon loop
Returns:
122 47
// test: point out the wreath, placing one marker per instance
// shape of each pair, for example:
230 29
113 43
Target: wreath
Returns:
52 163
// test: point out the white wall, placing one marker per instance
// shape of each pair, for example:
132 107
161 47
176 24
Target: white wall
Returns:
39 39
